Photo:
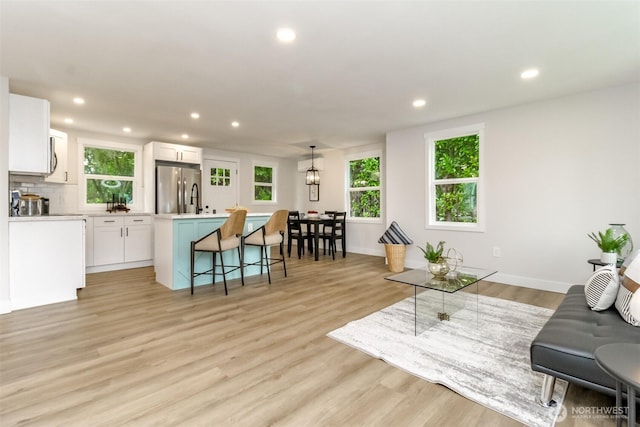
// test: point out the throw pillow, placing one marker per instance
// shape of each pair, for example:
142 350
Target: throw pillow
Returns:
602 288
628 294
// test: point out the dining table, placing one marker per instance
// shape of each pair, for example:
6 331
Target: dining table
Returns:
313 227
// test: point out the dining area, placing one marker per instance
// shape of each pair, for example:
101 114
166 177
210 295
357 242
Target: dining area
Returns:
308 229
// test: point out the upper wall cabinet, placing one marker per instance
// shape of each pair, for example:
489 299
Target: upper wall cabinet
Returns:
30 150
60 158
175 152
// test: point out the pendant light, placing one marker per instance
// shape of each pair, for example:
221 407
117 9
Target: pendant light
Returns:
313 176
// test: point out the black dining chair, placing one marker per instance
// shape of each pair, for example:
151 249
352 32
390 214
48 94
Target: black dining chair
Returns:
295 232
336 231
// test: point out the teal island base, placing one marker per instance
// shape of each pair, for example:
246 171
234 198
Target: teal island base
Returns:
172 246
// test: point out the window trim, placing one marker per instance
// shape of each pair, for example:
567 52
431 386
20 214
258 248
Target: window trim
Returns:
138 195
348 189
430 187
273 184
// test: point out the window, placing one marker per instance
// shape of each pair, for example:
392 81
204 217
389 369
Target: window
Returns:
454 179
364 193
221 177
264 177
109 172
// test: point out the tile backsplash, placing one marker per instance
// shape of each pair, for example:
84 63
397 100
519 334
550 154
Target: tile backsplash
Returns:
63 198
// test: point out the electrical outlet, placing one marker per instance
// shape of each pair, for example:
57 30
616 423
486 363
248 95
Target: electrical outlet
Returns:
496 251
249 227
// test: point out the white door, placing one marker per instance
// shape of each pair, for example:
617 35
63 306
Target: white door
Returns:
219 184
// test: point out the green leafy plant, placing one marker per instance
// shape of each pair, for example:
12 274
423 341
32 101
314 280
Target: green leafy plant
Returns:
433 254
607 243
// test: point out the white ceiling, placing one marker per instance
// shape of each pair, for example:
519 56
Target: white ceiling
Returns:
349 77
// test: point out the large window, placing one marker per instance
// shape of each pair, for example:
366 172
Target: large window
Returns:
454 183
364 192
264 178
109 172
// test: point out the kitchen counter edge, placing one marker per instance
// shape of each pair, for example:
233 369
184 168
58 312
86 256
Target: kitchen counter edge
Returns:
204 216
70 217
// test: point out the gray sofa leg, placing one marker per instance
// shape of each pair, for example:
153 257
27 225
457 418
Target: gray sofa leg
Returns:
548 383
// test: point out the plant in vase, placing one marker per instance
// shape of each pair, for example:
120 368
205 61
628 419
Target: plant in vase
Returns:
437 263
609 244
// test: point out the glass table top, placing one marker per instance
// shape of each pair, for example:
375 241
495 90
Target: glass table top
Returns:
452 282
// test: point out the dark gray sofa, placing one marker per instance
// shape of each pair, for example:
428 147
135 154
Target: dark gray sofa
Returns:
565 345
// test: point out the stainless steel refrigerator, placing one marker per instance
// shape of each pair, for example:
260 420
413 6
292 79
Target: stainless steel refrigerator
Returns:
178 188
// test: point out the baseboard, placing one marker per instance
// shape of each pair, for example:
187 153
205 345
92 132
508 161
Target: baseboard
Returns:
531 282
522 281
122 266
5 306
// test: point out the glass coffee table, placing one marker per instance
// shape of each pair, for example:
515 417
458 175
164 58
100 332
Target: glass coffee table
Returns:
438 299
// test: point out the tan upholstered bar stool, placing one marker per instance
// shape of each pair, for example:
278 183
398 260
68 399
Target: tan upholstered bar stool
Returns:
225 238
270 234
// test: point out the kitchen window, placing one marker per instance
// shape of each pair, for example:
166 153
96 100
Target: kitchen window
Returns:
264 178
454 179
364 193
109 171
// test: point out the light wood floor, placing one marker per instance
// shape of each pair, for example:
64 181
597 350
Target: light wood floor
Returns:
131 352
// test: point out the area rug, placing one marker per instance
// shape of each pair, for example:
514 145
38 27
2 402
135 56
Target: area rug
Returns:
481 354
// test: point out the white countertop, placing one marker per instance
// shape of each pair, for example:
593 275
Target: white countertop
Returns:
204 215
59 217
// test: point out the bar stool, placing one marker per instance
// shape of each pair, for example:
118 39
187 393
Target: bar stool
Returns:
221 240
270 234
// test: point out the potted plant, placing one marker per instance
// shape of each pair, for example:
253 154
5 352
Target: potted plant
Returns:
609 245
437 262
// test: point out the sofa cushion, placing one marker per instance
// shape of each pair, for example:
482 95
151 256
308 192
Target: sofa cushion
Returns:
564 347
601 288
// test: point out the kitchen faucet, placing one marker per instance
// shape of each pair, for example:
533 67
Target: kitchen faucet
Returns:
198 208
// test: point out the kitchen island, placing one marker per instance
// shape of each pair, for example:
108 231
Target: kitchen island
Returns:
172 247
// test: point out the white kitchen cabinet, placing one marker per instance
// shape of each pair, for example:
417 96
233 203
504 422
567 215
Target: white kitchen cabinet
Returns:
30 150
175 152
138 244
108 240
60 172
121 241
46 260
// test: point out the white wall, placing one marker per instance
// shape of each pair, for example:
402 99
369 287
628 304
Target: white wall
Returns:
5 296
555 171
286 172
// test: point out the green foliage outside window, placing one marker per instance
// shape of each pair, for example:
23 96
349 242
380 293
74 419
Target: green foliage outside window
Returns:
263 193
364 183
221 177
108 173
457 159
263 175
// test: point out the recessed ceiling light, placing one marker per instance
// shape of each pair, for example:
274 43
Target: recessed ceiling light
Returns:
235 124
529 74
195 115
126 129
286 35
419 103
185 136
78 101
68 120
